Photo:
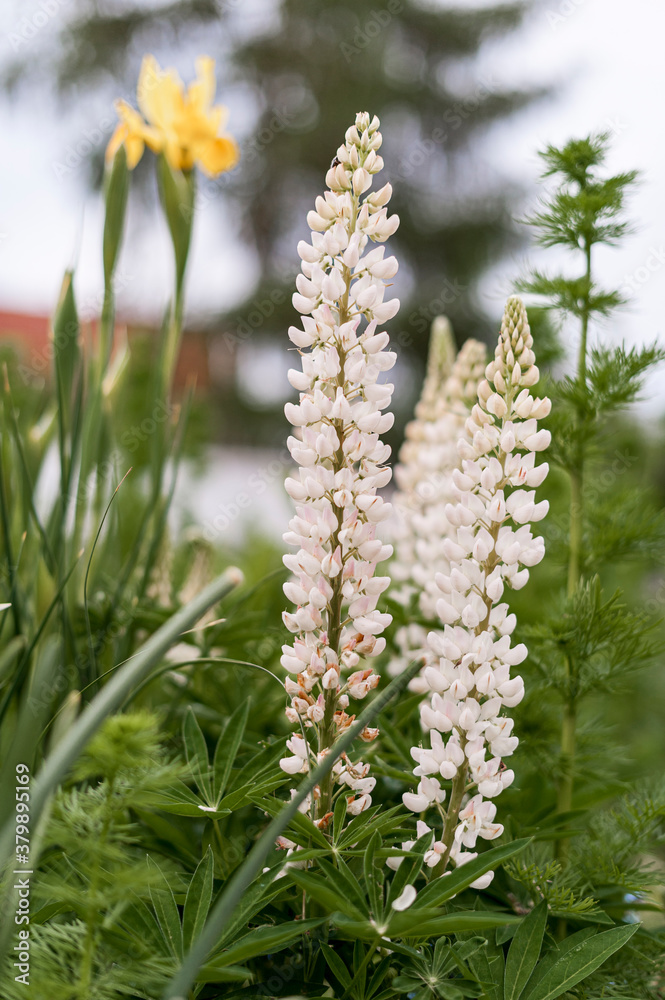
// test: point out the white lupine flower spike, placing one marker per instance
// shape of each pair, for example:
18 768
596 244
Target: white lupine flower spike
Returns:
467 675
424 477
338 420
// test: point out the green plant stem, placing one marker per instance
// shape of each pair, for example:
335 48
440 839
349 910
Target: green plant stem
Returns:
452 817
361 968
575 530
171 347
566 786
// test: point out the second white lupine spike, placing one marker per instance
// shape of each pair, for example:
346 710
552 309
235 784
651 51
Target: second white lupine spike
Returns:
470 655
424 474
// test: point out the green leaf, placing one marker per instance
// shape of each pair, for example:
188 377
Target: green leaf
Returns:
168 915
115 197
301 825
10 654
441 889
170 833
380 973
197 901
487 965
587 916
213 973
265 760
33 713
251 792
410 923
264 940
196 752
253 902
336 965
227 748
177 193
324 892
139 920
374 876
66 348
524 951
578 960
344 880
363 827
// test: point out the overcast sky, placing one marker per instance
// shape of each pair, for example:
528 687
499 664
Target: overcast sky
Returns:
605 58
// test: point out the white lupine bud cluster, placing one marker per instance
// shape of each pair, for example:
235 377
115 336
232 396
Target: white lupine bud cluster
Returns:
339 418
424 474
468 676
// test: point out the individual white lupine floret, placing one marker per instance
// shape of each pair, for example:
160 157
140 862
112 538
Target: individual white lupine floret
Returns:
468 675
339 419
427 458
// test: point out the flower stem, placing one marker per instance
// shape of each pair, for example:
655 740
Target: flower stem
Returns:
452 817
566 786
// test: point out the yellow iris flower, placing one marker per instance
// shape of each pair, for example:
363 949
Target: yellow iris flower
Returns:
185 126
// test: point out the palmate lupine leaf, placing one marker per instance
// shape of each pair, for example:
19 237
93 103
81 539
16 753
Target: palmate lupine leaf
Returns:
223 911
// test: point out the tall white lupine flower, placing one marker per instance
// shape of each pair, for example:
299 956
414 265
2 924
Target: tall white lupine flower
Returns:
424 474
468 677
339 419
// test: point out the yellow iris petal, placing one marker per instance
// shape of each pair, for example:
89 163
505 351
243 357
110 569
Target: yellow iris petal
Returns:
129 132
159 94
217 155
185 126
201 92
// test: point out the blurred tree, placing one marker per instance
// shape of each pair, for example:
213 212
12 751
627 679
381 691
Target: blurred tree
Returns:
414 65
302 68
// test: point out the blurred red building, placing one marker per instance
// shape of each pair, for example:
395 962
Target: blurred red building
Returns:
29 335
